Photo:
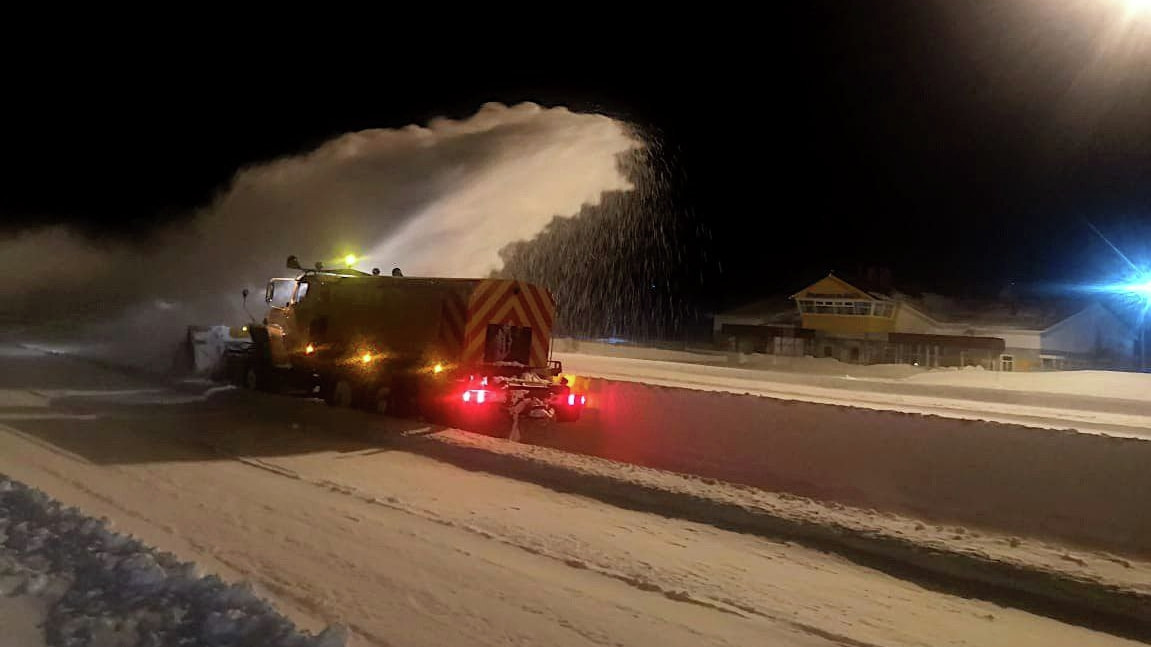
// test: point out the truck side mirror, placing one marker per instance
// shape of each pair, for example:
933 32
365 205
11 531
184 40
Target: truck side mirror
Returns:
294 263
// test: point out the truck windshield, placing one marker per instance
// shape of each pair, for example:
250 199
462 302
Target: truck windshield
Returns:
280 292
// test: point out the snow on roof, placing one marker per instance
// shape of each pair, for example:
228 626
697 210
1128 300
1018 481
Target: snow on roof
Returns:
778 307
1035 314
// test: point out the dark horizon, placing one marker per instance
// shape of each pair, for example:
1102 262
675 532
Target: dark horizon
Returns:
963 148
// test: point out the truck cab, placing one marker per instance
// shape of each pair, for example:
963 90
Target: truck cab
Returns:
282 295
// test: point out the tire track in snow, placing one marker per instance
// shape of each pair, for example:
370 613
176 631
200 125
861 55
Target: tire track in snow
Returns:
720 605
200 548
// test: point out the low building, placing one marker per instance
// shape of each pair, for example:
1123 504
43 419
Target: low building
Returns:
770 326
843 319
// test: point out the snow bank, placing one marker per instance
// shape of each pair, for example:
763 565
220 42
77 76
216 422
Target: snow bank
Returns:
759 361
605 349
1101 384
103 589
825 366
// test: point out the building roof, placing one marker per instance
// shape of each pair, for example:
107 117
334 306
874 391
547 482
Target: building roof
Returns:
777 309
1016 315
1033 313
874 289
874 286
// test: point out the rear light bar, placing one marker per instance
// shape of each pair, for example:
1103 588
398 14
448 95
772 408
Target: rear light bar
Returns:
480 396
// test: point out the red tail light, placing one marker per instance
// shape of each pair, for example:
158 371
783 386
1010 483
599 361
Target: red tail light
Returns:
583 399
571 400
478 396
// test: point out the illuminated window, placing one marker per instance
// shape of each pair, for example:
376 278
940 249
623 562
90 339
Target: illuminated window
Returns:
838 307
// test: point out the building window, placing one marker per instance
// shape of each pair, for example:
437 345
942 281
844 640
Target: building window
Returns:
1007 363
851 308
1052 362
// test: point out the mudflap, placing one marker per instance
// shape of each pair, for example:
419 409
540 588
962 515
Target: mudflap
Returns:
527 410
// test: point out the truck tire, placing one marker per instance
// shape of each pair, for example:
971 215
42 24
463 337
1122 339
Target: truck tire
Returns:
253 381
403 398
342 394
381 400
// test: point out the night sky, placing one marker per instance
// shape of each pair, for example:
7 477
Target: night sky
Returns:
962 145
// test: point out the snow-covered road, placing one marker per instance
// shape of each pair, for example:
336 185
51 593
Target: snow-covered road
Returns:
1112 404
410 551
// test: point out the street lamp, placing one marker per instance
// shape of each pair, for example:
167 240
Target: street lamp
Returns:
1135 290
1140 291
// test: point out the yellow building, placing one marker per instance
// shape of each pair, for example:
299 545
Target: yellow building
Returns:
834 306
846 321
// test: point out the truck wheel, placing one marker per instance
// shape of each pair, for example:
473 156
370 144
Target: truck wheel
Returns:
342 395
381 401
252 379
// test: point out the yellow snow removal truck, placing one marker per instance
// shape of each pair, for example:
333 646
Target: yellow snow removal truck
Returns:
441 347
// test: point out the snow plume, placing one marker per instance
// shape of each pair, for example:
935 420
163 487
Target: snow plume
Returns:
437 200
625 267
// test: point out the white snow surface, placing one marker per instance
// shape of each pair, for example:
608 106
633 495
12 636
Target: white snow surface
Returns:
406 550
65 579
